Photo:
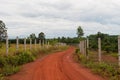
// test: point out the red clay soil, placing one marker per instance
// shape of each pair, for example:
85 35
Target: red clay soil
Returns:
57 66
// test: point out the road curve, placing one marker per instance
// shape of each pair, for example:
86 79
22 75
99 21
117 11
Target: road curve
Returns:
57 66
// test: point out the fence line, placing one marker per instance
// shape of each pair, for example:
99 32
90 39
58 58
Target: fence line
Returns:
84 46
24 44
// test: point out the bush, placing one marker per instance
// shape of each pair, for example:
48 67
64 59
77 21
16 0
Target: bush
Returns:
9 69
1 77
10 64
12 60
2 61
77 50
25 57
114 55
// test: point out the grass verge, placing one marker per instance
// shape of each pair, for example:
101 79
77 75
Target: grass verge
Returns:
11 64
106 70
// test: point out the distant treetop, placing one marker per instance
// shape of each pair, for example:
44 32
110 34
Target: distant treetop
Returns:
3 30
80 32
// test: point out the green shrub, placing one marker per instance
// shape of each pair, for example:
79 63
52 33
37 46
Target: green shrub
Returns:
9 69
77 51
25 57
2 77
2 61
12 60
114 55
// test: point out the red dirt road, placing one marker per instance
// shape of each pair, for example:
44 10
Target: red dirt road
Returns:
57 66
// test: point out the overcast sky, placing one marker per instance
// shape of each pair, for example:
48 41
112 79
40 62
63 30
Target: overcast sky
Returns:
60 17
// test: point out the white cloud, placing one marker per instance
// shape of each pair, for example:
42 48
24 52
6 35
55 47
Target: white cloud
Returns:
60 17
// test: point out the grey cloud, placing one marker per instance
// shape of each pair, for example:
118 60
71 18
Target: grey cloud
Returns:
60 5
58 15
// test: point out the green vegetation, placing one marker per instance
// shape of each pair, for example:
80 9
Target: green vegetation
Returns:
3 30
104 69
69 40
80 32
11 64
114 55
2 77
32 36
109 42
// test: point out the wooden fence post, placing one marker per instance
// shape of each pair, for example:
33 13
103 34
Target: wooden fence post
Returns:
99 49
85 48
87 51
119 51
80 46
87 43
35 43
30 43
25 44
43 43
17 43
7 45
48 43
39 43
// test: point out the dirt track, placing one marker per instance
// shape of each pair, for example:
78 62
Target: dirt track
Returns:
57 66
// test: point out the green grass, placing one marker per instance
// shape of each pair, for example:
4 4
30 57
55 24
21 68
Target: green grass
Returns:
2 77
114 55
9 69
12 48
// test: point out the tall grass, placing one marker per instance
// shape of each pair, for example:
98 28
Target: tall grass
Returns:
12 48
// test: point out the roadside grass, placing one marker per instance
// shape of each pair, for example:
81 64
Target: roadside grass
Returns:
114 55
109 71
12 48
11 64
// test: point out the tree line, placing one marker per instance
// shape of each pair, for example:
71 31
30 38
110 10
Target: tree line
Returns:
41 36
109 42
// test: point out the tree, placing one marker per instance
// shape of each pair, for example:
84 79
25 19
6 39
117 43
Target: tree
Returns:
41 36
3 30
80 32
32 36
109 42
